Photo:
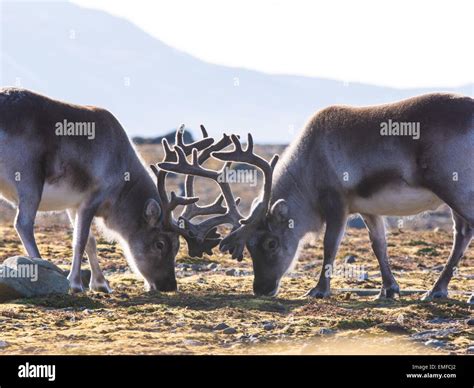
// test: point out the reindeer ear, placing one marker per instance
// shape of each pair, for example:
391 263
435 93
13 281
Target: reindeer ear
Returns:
280 212
152 212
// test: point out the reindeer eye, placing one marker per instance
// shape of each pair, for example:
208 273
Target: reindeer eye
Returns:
159 245
270 244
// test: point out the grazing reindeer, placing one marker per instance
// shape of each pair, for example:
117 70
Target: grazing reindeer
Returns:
98 175
342 163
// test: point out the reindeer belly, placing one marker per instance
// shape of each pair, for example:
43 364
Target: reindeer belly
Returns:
60 196
396 200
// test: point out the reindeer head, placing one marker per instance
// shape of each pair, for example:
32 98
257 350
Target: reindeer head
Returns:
265 233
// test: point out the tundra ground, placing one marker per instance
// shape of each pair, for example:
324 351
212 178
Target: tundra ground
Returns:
214 311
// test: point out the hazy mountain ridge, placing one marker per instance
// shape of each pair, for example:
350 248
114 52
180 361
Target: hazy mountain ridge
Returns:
88 56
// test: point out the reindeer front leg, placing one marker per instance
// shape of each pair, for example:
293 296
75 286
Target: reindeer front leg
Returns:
83 220
336 218
98 282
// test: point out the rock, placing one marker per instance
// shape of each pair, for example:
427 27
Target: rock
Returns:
212 266
470 350
229 330
4 344
85 277
220 326
350 259
22 277
192 343
435 343
268 326
401 319
440 320
232 272
198 268
470 322
429 334
326 331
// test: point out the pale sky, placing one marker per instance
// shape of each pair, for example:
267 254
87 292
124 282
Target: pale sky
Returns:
400 43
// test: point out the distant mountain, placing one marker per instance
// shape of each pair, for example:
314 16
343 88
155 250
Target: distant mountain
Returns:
90 57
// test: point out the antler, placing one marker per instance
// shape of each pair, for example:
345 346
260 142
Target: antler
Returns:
235 241
211 238
230 215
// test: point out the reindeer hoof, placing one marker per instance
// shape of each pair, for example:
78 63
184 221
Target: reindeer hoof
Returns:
391 292
76 288
100 286
317 293
431 295
75 285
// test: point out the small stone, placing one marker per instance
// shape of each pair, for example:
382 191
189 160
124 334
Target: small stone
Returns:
229 330
4 344
326 331
220 326
470 350
400 319
232 272
470 322
192 343
268 326
435 343
196 267
350 259
212 266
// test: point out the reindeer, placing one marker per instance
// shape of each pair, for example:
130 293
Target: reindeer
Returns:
342 164
99 175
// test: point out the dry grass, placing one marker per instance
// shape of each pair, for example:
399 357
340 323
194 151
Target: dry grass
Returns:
131 321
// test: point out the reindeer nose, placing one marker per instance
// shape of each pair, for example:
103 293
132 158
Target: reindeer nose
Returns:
167 285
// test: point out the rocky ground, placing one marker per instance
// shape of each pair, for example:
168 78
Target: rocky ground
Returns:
214 311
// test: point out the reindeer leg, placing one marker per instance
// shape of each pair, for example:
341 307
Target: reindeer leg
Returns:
83 220
376 228
463 233
98 282
335 227
29 198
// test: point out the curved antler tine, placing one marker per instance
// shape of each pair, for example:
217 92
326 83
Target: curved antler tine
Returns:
203 131
236 141
170 155
249 144
195 158
274 161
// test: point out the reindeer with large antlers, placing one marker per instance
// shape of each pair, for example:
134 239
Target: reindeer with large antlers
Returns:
100 177
343 163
